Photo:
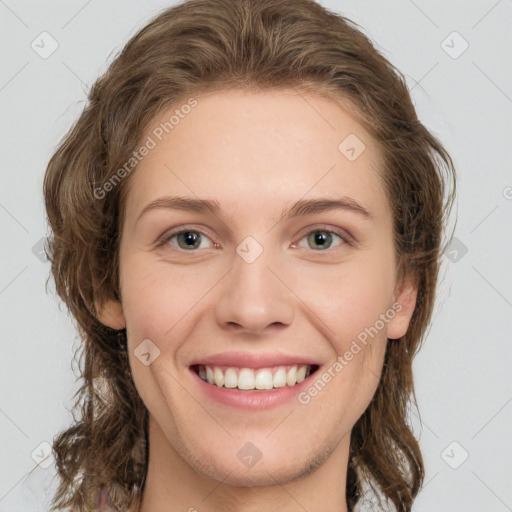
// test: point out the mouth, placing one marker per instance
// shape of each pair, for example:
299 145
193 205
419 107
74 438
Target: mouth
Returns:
254 379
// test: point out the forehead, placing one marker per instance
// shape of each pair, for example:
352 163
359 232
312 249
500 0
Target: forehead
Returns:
247 148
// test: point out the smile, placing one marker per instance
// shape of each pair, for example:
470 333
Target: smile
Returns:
252 379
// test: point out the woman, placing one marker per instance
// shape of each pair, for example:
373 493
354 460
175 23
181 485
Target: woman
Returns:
247 226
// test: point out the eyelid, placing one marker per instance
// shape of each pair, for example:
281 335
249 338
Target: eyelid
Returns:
168 234
342 233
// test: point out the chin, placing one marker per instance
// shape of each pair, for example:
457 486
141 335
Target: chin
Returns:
242 464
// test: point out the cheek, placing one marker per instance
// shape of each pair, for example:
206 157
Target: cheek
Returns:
157 298
348 297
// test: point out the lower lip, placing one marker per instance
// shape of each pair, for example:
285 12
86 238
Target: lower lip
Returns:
253 399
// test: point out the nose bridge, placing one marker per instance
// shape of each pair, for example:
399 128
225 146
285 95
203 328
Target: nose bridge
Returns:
253 296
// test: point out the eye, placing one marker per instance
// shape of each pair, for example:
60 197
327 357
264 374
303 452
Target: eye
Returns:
322 239
187 239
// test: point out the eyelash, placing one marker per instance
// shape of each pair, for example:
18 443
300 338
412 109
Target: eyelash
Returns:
166 237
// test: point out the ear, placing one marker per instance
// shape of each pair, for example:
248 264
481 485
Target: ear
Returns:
110 313
404 302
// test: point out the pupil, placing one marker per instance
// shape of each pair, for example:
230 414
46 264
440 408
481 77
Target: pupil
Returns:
190 238
320 238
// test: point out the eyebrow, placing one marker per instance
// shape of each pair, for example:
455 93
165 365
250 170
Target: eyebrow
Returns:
299 208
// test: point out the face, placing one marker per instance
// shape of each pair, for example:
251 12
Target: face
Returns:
252 291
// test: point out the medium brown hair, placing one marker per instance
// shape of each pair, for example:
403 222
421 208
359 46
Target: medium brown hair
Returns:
221 45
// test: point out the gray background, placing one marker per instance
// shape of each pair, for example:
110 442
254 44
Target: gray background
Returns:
463 379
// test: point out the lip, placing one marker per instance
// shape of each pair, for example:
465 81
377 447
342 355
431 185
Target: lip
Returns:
254 361
252 399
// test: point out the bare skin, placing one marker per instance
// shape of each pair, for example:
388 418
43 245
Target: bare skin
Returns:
256 153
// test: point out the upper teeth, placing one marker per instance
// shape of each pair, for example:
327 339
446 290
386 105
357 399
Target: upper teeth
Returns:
247 378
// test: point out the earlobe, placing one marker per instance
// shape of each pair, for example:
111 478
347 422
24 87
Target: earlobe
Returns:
403 305
110 313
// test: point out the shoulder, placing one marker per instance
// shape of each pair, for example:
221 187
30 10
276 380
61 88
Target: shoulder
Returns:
103 501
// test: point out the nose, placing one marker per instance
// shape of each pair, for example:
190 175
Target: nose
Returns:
254 296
